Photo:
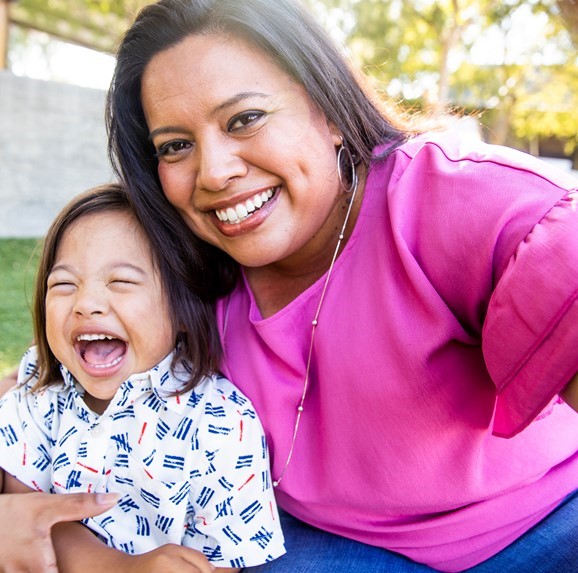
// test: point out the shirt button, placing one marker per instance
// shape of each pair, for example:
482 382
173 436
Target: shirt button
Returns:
97 431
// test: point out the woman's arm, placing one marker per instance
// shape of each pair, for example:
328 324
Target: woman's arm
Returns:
38 522
26 521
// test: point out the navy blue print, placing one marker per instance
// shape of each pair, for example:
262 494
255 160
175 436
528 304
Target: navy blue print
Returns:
250 511
244 461
164 523
181 478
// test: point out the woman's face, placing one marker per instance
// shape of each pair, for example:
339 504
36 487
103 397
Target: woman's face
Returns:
244 155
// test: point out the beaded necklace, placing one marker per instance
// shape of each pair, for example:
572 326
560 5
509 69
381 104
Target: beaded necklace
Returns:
314 324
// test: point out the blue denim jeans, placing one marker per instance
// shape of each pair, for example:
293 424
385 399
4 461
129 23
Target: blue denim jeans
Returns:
549 547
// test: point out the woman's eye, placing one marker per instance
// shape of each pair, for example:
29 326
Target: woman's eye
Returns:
244 119
172 148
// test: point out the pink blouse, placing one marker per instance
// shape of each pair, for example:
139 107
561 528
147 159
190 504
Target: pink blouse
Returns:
450 323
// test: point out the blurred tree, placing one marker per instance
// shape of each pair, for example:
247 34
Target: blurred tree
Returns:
513 60
96 24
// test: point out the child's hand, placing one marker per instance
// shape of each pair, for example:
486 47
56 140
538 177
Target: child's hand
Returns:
173 558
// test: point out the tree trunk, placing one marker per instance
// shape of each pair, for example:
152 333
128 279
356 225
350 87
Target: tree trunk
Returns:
569 11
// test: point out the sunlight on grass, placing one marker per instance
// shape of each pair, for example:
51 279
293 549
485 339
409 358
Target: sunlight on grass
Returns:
18 260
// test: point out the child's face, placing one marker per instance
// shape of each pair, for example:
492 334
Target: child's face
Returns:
106 314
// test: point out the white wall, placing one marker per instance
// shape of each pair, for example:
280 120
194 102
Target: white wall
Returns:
52 146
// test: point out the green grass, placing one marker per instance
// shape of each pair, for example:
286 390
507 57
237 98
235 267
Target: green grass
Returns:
18 261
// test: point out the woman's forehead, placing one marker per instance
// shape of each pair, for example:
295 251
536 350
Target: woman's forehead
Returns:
213 58
206 73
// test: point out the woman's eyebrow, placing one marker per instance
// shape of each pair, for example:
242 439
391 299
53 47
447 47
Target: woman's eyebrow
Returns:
233 100
236 99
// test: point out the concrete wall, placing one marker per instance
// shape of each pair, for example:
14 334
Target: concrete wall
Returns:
52 146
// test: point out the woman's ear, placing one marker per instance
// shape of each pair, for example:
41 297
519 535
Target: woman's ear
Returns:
336 136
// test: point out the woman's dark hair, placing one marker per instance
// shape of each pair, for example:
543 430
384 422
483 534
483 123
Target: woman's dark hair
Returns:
197 344
289 35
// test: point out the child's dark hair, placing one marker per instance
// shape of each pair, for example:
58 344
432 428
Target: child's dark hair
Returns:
197 344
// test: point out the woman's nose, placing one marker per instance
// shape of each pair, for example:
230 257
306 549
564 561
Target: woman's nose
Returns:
90 301
220 162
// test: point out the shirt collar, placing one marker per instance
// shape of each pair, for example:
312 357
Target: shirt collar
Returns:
162 380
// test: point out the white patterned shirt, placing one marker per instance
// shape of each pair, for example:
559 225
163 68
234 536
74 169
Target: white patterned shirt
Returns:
191 469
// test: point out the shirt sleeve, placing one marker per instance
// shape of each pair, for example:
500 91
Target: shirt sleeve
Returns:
25 441
530 336
495 231
236 522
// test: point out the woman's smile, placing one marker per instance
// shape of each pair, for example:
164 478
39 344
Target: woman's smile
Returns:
242 211
246 216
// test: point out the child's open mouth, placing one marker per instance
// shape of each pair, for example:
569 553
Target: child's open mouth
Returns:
100 350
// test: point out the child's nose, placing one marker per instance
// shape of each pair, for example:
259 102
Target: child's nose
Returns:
90 300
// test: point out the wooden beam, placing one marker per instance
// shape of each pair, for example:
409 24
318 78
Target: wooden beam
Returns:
4 28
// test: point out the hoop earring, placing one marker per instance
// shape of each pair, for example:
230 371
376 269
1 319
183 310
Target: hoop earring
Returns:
344 155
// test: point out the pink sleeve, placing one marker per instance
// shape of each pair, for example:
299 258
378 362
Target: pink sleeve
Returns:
495 232
530 335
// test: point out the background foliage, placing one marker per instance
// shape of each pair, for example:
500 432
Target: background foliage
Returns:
96 24
515 60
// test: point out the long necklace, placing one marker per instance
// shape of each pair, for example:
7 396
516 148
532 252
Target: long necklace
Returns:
314 324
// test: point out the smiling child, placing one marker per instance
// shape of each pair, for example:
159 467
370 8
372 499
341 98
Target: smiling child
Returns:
121 395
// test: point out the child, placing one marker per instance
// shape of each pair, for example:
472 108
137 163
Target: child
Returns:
119 396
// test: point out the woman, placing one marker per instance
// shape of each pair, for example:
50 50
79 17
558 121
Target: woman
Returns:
399 307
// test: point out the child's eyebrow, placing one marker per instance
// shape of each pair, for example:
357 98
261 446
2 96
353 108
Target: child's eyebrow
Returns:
61 267
112 267
130 266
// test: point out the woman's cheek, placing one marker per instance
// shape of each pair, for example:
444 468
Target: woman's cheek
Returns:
163 170
174 184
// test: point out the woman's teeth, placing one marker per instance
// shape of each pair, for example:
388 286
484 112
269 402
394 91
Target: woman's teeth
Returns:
243 210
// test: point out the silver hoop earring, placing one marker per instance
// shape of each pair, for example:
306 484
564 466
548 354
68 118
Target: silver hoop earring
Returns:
345 156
